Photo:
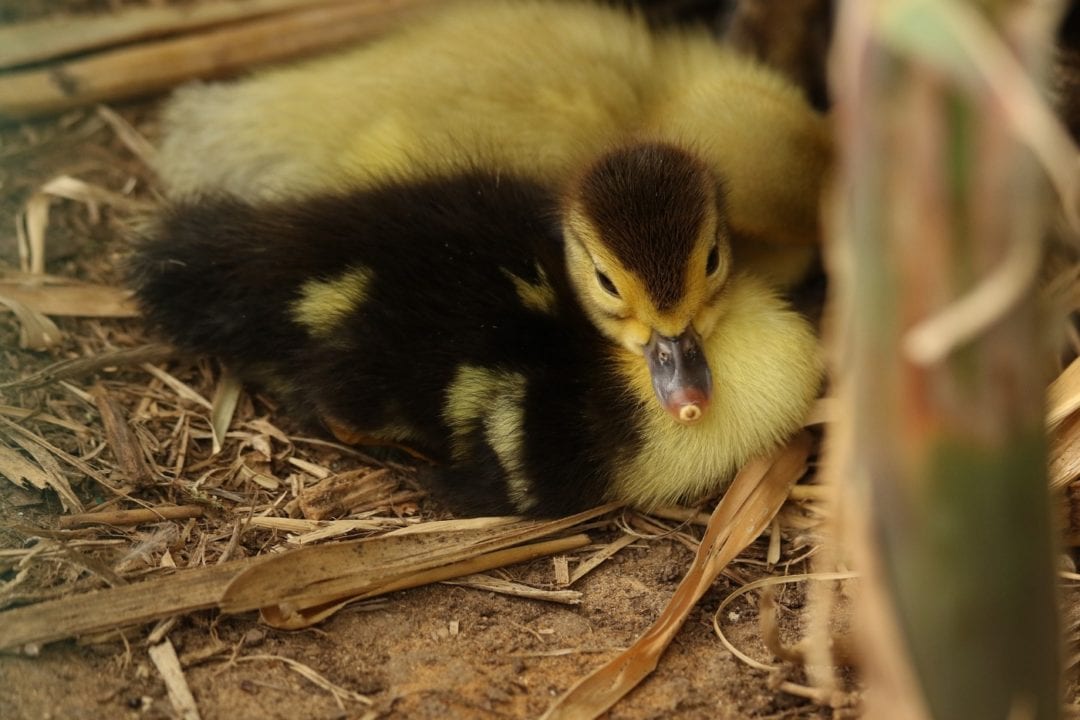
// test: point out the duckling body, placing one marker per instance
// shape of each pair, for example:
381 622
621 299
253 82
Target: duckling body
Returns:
444 313
536 88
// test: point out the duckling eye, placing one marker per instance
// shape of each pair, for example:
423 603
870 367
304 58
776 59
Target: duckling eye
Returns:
713 261
605 282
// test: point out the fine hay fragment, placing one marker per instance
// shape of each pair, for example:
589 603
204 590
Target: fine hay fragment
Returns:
168 665
296 588
339 495
45 474
79 367
594 561
223 407
118 434
36 331
797 653
339 693
182 389
133 140
502 586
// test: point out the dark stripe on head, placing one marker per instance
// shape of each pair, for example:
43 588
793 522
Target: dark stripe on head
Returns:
648 203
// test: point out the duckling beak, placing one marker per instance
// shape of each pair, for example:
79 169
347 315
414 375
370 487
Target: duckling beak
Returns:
680 374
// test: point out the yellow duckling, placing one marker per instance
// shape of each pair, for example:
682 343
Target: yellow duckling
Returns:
538 88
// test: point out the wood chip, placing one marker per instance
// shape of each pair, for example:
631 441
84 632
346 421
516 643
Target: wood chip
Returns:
121 518
118 434
310 468
561 565
21 471
337 495
20 434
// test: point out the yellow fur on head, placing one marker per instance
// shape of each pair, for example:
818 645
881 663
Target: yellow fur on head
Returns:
631 317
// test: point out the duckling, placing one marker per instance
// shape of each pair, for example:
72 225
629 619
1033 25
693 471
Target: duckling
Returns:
548 350
538 88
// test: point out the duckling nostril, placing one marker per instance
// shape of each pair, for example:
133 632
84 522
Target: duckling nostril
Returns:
690 413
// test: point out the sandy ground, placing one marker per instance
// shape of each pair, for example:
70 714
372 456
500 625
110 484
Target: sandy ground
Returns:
504 658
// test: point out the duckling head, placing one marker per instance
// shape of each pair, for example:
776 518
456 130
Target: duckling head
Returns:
648 254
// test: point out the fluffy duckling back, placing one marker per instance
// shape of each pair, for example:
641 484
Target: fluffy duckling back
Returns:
537 88
541 353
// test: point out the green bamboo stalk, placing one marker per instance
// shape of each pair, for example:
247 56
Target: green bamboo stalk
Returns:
947 457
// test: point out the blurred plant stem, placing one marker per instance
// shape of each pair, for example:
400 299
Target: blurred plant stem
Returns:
941 444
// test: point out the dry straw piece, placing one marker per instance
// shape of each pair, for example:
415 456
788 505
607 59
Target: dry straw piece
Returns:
122 70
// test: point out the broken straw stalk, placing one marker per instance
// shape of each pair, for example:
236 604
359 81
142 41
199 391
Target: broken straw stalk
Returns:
120 71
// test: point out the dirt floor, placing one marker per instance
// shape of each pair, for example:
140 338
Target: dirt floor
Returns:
509 658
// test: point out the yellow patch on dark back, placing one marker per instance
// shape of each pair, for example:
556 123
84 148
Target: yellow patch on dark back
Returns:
650 203
538 296
491 402
323 304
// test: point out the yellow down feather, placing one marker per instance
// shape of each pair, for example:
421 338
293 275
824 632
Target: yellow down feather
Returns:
537 87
